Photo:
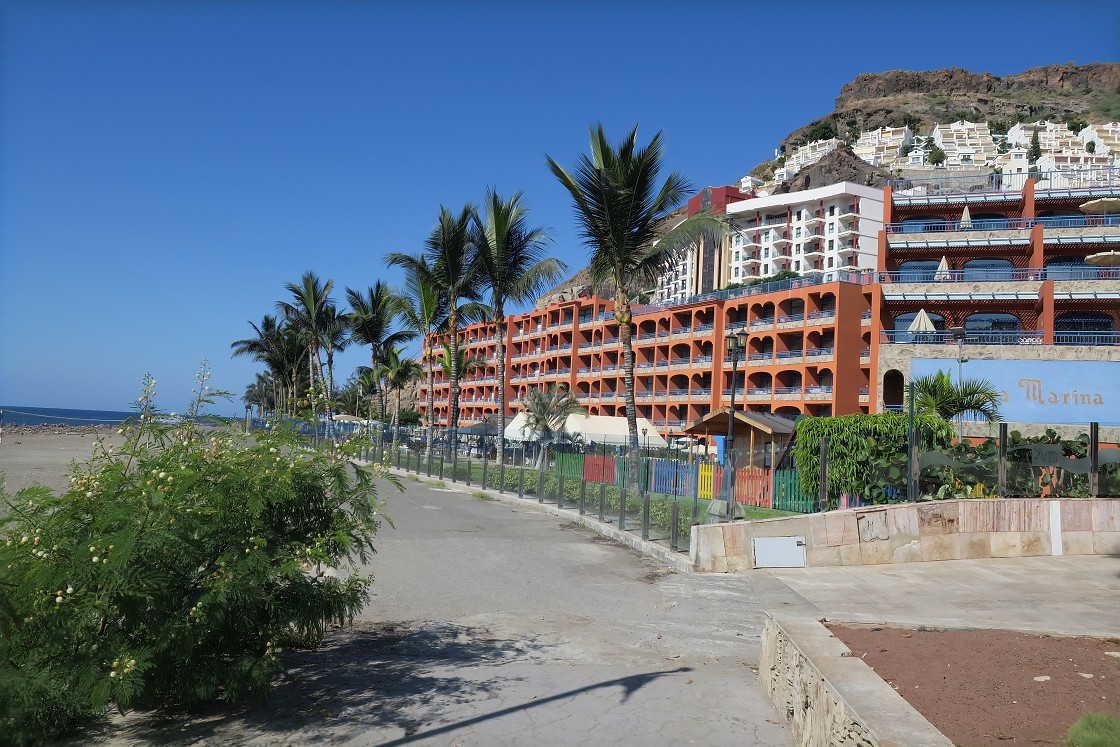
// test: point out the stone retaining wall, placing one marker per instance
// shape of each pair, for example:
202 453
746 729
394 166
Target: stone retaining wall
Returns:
915 532
831 698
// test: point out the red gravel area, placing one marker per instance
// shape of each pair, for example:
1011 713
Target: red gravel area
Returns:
978 687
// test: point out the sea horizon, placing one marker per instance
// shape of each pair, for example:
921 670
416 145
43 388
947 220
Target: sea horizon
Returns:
32 415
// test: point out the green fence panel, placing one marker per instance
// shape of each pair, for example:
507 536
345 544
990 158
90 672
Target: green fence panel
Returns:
570 466
787 494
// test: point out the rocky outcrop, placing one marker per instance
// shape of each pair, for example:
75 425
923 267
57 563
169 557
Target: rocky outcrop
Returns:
925 98
841 165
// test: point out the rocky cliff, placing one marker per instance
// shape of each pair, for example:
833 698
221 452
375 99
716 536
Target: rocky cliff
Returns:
924 98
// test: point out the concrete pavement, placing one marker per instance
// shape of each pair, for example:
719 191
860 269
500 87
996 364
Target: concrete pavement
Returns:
494 623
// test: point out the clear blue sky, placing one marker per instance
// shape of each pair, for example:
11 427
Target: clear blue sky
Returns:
167 167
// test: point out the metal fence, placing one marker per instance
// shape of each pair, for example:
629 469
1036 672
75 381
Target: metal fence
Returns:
1035 462
673 489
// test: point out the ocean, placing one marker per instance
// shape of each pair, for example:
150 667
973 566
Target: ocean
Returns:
18 415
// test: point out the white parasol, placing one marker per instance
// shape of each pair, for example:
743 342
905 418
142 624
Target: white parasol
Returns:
966 218
1102 206
943 272
921 323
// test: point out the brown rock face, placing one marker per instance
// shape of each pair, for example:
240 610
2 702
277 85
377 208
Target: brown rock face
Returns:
929 97
841 165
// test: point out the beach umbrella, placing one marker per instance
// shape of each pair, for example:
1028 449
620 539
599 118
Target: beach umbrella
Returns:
1102 206
921 323
943 272
1110 258
966 218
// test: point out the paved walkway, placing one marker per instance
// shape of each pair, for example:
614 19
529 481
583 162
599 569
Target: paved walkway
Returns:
496 624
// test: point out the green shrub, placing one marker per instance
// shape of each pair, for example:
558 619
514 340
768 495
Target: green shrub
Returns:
1095 730
174 570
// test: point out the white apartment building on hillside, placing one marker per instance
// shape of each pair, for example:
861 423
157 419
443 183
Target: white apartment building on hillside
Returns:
809 154
814 231
1053 137
966 143
1106 136
883 146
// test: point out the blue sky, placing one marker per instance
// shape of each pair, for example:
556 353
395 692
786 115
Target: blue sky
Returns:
167 167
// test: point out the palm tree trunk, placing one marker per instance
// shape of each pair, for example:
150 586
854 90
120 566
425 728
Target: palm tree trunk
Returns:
622 314
500 334
453 368
431 390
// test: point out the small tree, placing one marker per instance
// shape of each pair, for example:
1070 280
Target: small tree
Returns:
1091 147
174 570
938 395
546 413
936 156
1034 152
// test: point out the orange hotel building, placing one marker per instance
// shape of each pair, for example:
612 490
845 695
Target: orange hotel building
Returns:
1014 276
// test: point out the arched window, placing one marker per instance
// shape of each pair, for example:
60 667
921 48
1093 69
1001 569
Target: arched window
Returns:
991 270
1071 268
917 271
923 225
1083 328
991 329
902 324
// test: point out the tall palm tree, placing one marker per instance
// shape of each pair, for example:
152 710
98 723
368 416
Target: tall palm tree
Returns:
308 313
451 259
424 313
373 315
620 210
464 362
546 413
511 267
259 394
280 349
398 373
938 395
336 338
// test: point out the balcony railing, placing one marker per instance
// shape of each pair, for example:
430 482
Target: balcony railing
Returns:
981 187
1086 338
1008 337
998 275
1004 224
819 352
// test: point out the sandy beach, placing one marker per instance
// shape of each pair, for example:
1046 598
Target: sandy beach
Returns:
42 455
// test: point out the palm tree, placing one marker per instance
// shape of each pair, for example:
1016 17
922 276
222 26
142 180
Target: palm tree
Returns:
336 338
280 348
546 413
259 394
464 362
620 210
511 267
398 373
372 318
308 313
453 270
936 394
424 313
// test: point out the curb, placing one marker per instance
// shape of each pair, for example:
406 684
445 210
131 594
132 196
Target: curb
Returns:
830 696
675 560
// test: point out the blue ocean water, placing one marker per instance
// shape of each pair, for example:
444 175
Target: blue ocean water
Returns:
19 415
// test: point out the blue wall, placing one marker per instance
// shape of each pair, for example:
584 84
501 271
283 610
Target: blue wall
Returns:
1043 391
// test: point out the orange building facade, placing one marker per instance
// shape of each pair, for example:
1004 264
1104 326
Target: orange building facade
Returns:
1010 271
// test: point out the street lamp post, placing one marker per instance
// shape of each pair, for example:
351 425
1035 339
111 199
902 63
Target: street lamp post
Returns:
736 344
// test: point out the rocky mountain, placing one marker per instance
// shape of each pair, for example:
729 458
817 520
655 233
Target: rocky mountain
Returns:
924 98
841 165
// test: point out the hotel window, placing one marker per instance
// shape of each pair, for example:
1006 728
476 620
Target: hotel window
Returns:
830 262
832 228
831 244
831 210
797 233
